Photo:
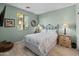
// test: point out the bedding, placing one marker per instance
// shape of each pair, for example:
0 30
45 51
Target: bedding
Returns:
41 43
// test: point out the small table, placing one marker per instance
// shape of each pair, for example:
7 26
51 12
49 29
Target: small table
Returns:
65 41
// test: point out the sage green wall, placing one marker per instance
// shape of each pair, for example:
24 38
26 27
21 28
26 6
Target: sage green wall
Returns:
54 17
13 33
61 16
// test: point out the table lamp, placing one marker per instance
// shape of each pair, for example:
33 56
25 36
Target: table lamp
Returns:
65 28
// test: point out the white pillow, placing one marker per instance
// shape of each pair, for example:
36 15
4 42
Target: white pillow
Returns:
44 31
51 31
48 31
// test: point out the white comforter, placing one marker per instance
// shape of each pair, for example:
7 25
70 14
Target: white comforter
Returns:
43 41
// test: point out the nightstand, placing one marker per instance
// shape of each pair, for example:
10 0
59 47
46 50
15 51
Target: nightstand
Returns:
64 40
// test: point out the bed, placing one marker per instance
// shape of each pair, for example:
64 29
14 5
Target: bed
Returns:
41 43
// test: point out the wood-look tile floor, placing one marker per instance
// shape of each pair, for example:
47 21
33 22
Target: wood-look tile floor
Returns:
20 50
63 51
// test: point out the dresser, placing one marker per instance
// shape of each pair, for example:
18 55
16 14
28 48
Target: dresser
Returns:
64 40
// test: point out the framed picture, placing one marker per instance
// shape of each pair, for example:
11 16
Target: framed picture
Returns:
9 22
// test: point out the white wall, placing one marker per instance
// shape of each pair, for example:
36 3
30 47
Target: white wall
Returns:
77 24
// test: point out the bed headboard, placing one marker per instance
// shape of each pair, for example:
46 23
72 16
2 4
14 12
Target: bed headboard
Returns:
52 27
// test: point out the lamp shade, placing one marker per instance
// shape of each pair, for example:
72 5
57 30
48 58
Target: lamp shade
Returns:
65 25
65 30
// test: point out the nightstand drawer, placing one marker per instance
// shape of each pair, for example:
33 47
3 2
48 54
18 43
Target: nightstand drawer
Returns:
64 41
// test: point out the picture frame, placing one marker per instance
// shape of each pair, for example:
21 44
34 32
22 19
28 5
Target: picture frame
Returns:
9 22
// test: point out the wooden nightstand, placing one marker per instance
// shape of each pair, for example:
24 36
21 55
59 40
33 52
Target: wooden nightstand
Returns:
64 40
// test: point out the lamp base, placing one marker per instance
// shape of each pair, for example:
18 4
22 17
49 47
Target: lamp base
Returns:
64 31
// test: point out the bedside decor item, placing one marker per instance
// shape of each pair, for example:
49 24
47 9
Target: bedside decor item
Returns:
2 14
33 23
9 22
66 29
65 26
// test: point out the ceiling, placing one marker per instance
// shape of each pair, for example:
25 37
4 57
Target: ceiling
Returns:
40 8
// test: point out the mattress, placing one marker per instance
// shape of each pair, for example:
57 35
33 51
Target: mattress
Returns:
41 43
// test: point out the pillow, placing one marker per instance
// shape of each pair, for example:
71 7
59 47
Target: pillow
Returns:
51 31
44 31
48 31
